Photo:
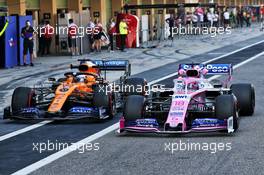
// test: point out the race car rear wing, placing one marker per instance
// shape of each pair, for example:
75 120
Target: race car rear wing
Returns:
111 65
213 69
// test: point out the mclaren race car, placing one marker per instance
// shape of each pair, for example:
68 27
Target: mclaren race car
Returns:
194 104
78 95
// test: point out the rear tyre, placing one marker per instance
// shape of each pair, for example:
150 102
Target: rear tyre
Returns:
103 97
225 107
23 97
134 107
245 94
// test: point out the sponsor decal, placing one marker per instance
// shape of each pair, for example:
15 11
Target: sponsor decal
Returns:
177 108
181 96
29 111
185 67
218 68
207 122
201 107
11 42
190 66
111 63
176 114
178 103
147 122
81 110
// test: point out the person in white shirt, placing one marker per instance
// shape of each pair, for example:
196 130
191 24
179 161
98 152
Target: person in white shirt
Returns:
210 19
91 27
188 18
215 19
201 17
194 20
226 18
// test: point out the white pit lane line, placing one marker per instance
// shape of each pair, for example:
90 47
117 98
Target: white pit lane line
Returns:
78 145
214 59
37 125
240 64
26 129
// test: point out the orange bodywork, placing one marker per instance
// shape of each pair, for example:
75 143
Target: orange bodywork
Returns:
67 88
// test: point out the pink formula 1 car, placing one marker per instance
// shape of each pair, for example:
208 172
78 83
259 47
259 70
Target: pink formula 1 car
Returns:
195 104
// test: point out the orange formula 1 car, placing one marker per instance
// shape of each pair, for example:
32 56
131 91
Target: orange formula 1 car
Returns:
82 94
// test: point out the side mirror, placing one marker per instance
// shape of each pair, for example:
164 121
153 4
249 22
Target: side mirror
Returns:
52 79
73 66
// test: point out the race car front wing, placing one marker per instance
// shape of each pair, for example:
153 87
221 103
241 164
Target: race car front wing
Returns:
75 113
198 125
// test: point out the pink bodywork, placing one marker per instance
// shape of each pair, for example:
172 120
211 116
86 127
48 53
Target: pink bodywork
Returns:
180 103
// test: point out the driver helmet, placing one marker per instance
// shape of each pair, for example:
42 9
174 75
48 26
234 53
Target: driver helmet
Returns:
193 85
91 67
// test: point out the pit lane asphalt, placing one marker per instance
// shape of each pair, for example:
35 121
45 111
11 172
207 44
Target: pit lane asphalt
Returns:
145 154
14 150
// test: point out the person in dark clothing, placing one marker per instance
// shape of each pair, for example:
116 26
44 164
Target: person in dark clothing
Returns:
27 33
48 37
240 19
97 35
248 19
170 21
91 27
41 39
111 30
72 37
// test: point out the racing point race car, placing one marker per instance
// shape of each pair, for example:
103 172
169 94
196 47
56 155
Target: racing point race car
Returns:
82 94
194 104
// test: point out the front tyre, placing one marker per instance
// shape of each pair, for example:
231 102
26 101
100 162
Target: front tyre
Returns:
226 107
245 94
134 107
103 97
23 97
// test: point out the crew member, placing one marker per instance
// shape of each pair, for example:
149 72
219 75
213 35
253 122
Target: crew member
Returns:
72 37
91 27
111 30
170 21
226 18
27 33
49 31
123 30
